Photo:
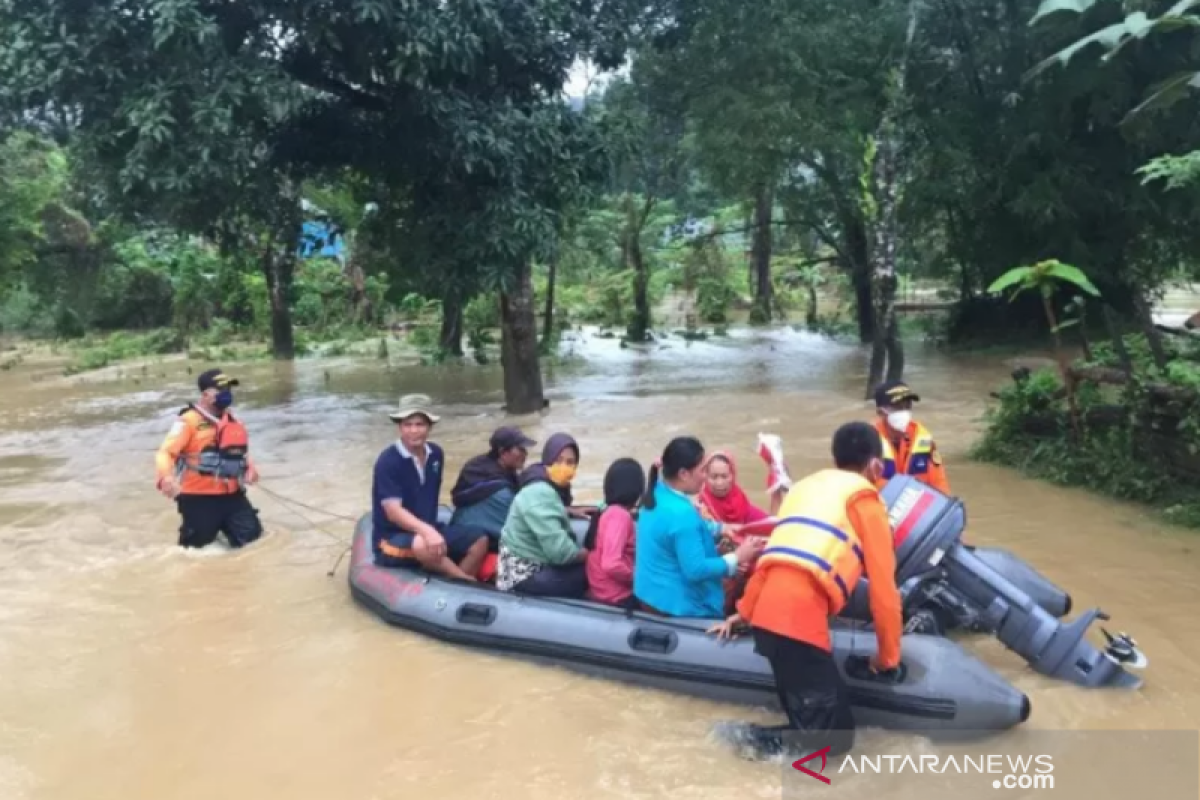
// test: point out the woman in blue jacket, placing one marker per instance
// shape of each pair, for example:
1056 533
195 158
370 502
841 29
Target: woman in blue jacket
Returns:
678 571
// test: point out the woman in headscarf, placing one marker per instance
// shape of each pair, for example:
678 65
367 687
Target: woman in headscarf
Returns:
538 552
611 536
722 499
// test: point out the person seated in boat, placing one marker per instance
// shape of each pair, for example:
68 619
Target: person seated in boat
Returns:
404 502
723 499
833 528
612 534
908 447
488 483
678 571
538 551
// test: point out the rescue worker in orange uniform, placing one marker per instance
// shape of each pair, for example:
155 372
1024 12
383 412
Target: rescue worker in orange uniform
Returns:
204 466
908 446
833 529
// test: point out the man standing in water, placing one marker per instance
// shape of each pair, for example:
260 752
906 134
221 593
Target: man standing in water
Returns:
404 502
908 447
833 527
204 466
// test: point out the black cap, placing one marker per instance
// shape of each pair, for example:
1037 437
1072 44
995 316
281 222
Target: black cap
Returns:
504 438
215 379
893 392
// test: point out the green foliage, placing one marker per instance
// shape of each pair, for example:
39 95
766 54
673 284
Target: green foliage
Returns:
1112 456
1176 171
33 176
1042 278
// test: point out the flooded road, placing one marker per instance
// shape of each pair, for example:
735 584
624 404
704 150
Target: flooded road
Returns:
130 669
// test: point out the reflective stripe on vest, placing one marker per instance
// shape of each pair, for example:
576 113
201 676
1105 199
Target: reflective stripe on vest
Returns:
918 456
223 456
815 534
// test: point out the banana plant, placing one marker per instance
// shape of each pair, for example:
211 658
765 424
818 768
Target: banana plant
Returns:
1136 26
1045 278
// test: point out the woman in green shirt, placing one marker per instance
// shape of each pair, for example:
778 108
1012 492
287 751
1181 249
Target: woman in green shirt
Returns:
538 551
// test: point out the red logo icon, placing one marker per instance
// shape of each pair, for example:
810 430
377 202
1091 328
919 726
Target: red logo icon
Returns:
823 753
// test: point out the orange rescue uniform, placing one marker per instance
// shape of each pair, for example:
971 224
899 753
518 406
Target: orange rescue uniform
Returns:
206 455
834 528
917 455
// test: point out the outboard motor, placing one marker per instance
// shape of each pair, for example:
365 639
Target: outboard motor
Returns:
937 574
937 608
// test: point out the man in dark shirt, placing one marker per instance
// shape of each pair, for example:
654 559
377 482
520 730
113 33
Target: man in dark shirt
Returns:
404 502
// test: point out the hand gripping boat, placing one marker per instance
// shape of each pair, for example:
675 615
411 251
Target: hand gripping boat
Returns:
990 590
940 687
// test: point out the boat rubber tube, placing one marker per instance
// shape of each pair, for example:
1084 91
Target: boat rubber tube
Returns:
935 571
940 687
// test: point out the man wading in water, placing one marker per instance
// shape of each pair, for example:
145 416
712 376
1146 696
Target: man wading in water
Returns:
833 525
204 466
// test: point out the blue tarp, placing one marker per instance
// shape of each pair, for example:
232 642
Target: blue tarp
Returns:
321 239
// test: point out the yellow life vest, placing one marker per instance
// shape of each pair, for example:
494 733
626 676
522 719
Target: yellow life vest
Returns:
814 533
918 457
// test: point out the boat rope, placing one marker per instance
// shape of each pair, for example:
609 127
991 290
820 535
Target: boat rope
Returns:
291 505
290 501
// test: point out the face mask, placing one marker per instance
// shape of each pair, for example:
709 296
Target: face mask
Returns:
224 399
560 474
899 420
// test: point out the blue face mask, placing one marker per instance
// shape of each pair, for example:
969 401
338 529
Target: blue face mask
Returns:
224 399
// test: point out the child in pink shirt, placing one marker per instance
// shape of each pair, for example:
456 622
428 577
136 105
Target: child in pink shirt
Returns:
611 536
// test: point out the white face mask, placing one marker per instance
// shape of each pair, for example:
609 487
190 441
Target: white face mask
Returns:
899 420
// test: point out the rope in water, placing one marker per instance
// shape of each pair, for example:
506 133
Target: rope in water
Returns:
291 505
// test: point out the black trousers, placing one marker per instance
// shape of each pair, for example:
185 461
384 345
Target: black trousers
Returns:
206 515
813 696
556 581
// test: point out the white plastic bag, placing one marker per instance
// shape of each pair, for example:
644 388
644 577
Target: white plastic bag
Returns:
770 450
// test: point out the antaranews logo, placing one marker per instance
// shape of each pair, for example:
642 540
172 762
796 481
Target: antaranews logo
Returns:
823 753
1015 771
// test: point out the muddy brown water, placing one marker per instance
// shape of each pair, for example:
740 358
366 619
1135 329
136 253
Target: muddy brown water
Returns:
130 669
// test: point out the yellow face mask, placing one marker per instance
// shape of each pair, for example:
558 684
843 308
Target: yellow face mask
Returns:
561 474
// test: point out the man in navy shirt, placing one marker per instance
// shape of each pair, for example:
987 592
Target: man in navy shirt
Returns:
404 502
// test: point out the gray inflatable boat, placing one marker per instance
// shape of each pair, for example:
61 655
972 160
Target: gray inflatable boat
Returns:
943 579
939 687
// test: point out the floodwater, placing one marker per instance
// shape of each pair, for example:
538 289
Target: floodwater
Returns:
130 669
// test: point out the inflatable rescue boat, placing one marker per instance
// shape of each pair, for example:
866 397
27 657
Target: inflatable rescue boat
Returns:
939 686
990 590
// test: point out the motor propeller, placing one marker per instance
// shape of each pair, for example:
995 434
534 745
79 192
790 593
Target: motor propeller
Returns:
1123 649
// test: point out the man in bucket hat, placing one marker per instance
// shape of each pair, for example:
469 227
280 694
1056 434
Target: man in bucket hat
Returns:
404 502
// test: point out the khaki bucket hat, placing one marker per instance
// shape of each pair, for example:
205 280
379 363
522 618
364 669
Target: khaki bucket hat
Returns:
413 404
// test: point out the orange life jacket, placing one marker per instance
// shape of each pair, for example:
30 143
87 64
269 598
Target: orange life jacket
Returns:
814 533
215 457
916 460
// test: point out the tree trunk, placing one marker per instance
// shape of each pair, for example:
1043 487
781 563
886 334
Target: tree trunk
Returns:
1118 342
451 336
639 323
895 350
279 269
810 316
548 315
519 347
1146 321
638 328
357 279
886 342
760 256
859 249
